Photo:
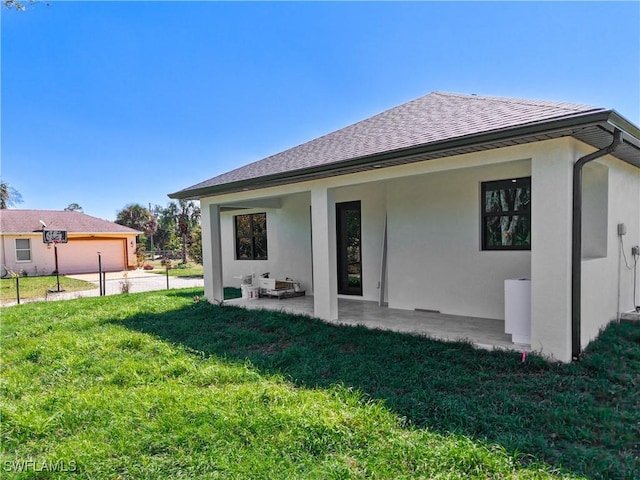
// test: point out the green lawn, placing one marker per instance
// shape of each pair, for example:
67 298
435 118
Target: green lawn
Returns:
155 385
178 269
38 287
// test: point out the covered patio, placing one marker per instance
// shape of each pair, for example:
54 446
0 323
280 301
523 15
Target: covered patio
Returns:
427 207
486 333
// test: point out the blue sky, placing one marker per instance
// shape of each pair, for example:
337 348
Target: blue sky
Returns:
105 104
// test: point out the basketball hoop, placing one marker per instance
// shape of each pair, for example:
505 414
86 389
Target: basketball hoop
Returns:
55 237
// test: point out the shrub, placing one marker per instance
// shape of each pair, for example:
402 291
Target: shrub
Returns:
166 262
125 284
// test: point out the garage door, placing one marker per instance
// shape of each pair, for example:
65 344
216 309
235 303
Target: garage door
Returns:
81 256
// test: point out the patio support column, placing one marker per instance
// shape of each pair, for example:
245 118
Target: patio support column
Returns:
212 253
325 280
551 178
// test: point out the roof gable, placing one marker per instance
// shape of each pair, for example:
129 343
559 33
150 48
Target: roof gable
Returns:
28 221
428 120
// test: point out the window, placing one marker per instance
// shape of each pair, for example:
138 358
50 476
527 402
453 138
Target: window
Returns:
23 249
251 236
506 214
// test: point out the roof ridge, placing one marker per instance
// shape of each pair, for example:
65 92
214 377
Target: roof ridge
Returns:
27 220
570 106
427 120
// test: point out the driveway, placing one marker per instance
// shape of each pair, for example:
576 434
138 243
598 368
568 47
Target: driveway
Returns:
138 280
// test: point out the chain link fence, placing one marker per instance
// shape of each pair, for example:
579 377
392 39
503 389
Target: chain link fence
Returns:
18 289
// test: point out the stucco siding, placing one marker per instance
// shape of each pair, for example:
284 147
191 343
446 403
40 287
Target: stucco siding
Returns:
434 256
435 259
602 277
288 243
79 255
551 190
42 259
372 199
289 239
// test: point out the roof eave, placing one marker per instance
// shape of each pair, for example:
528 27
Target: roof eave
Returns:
625 125
561 127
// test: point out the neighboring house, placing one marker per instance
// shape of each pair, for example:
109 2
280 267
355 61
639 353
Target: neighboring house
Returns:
434 204
22 247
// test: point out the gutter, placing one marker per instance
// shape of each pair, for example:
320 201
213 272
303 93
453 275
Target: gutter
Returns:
576 237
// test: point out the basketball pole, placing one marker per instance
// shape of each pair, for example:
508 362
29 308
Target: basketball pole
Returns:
55 250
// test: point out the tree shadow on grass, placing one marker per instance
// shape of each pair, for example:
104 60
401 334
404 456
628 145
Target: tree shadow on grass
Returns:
581 418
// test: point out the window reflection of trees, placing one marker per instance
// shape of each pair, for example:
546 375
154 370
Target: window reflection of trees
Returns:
251 236
506 214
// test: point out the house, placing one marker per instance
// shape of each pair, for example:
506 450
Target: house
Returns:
22 246
435 204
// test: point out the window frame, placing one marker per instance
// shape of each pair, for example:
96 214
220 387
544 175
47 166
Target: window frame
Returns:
252 237
30 259
498 185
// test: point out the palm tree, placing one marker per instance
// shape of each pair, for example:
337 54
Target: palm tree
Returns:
187 218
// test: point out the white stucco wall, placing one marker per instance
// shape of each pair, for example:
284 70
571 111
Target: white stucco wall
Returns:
288 243
551 193
435 259
600 275
289 238
372 197
611 196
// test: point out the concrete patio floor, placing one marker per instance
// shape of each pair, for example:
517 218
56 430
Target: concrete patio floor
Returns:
487 333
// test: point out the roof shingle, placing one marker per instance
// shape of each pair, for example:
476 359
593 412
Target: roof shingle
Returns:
433 118
28 221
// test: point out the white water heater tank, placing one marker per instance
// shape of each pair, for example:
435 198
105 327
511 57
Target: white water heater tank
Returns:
517 309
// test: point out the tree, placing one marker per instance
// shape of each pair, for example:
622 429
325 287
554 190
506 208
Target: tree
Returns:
11 4
137 217
73 207
506 213
9 196
195 247
178 227
165 236
19 5
187 218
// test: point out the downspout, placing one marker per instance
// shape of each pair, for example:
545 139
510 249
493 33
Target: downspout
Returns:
576 233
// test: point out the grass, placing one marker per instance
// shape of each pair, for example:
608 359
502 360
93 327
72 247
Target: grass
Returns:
178 269
38 287
232 292
154 385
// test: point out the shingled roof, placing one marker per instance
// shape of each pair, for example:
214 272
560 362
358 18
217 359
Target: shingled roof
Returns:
435 125
28 221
